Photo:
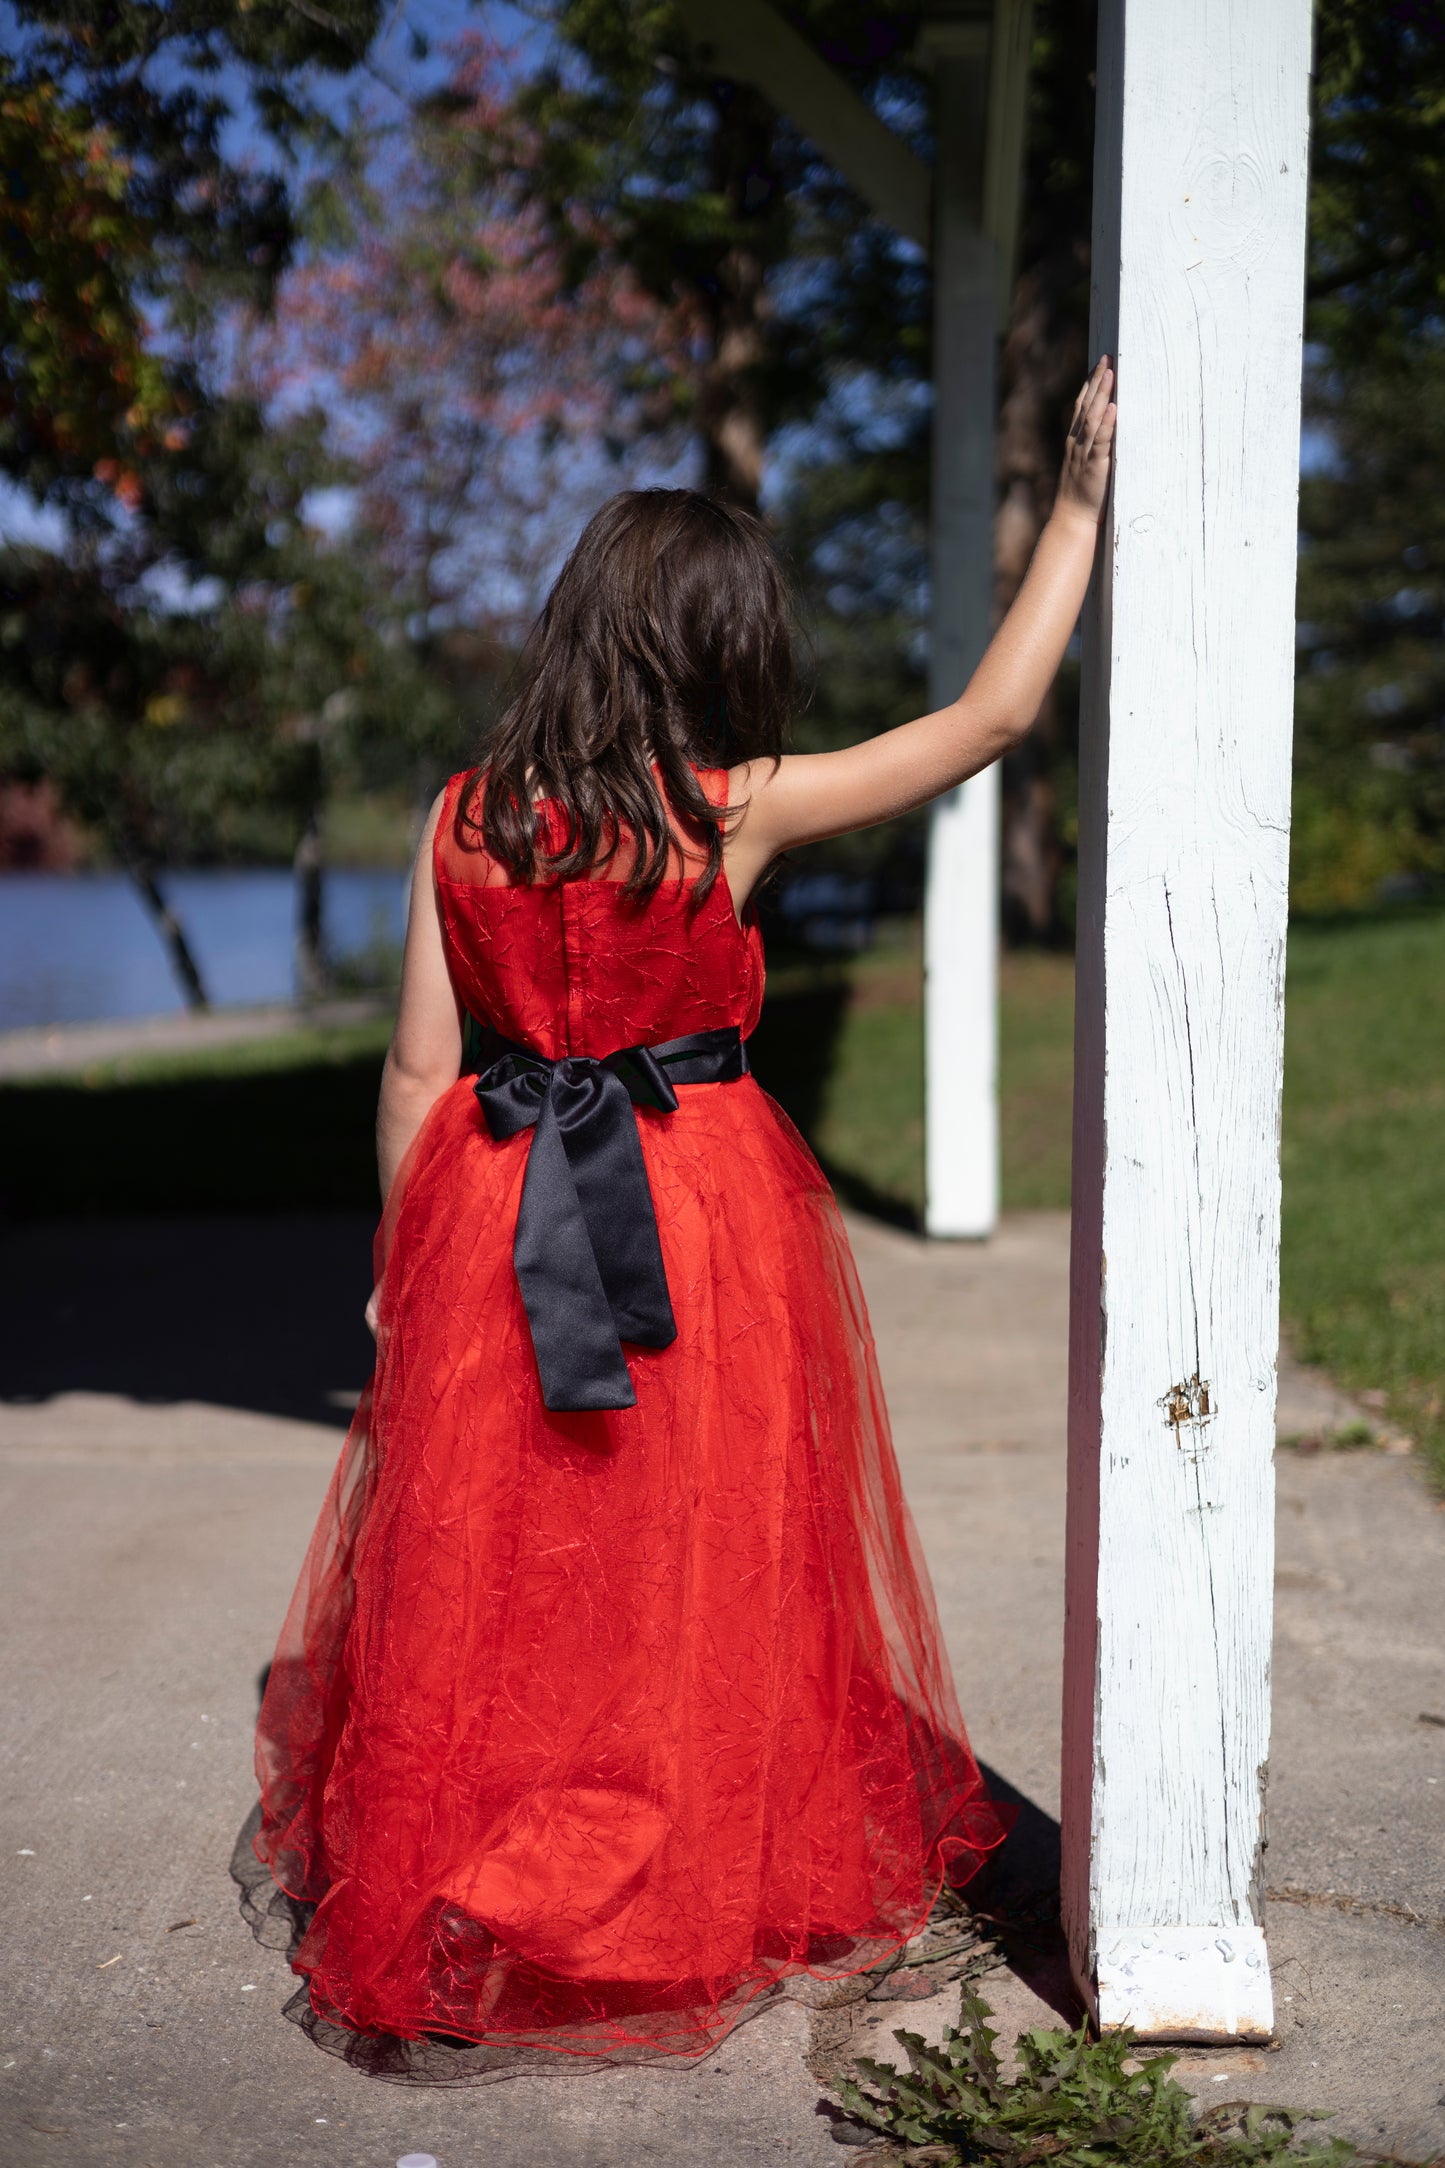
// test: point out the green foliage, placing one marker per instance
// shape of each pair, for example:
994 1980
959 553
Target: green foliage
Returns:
1377 177
1370 729
800 327
1370 766
78 386
1075 2104
192 684
124 216
1351 828
784 323
642 151
165 82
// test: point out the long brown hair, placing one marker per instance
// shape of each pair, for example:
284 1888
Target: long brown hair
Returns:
667 638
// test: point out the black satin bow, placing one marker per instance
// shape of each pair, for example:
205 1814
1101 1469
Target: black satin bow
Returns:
586 1249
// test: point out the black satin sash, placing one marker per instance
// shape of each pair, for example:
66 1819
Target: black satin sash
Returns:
586 1250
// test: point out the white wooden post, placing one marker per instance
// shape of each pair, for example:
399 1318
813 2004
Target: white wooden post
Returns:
1199 228
980 50
961 910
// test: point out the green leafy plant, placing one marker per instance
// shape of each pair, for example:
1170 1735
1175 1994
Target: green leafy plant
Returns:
1076 2103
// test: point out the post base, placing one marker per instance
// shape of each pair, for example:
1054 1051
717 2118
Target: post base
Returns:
1184 1983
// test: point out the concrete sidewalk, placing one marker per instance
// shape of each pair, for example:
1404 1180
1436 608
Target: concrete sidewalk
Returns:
175 1398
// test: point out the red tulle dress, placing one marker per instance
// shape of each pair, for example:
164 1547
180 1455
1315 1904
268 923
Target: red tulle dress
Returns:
586 1732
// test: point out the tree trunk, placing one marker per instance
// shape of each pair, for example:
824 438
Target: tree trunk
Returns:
730 414
310 942
172 933
1042 366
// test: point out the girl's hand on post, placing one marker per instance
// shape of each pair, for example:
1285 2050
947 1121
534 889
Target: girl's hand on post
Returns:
807 796
1089 449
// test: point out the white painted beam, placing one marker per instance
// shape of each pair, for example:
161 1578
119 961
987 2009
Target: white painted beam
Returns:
1010 50
751 43
961 908
981 93
1198 251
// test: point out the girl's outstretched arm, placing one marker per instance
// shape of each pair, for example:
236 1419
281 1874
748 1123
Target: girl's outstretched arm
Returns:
812 795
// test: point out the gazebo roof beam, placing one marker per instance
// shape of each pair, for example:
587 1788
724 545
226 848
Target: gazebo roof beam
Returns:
750 43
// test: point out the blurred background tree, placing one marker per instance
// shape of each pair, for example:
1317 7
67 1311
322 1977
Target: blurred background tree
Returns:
1370 714
318 418
1369 814
811 356
170 641
790 334
482 408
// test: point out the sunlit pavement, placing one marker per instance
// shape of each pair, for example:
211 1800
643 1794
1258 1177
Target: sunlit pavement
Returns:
177 1391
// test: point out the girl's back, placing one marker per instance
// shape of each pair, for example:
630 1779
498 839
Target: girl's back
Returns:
582 966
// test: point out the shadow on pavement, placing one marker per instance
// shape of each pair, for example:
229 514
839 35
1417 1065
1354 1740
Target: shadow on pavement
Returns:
1018 1892
262 1314
298 1138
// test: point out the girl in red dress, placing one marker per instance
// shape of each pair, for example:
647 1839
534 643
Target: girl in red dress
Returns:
612 1694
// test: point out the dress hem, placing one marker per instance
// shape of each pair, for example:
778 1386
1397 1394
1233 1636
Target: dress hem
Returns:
529 2051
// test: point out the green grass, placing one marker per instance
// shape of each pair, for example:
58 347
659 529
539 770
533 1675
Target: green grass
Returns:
1363 1263
870 1124
860 1100
1036 1081
286 1123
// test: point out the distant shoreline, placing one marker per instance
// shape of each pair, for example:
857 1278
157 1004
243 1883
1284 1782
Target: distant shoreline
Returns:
81 948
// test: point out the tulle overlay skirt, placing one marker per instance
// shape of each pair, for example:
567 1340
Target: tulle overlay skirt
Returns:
587 1731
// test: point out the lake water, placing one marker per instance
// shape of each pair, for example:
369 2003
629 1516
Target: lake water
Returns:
76 947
